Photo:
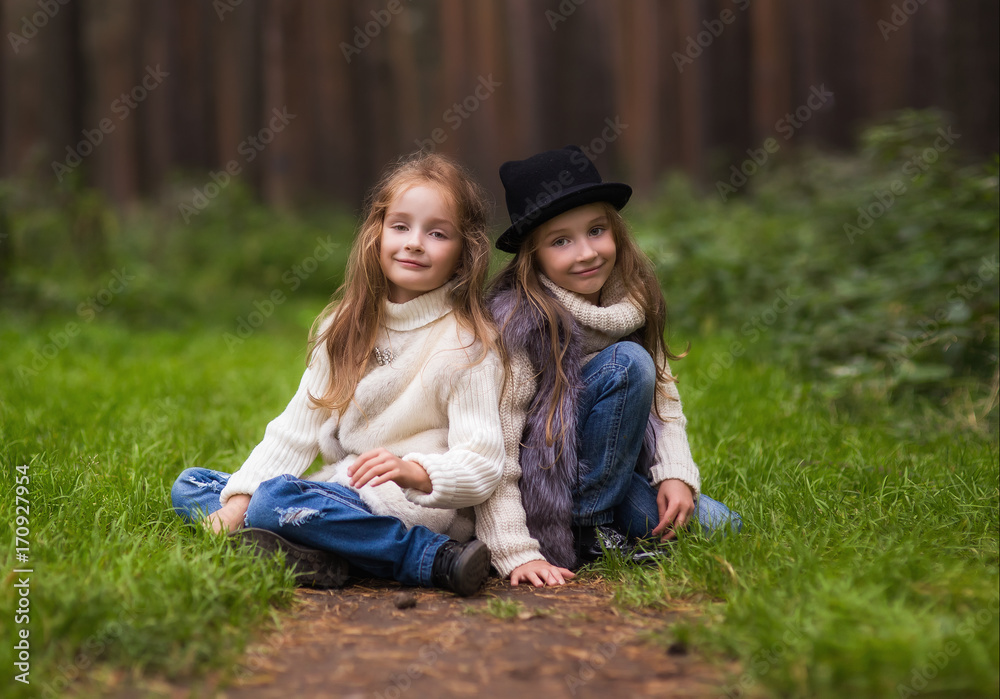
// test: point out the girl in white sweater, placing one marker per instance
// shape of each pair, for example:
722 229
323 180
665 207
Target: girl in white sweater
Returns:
400 397
597 451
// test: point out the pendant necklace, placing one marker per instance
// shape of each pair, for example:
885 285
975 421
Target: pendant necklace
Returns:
384 355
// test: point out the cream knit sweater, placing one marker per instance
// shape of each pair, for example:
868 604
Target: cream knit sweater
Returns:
500 521
430 405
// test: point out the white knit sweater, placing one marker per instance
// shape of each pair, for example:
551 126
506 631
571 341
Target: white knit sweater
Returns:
430 405
500 522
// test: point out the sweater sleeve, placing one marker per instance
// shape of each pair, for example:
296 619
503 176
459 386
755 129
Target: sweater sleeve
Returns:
291 440
673 454
469 471
500 521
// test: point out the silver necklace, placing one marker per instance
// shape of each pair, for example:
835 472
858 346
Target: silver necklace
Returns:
384 355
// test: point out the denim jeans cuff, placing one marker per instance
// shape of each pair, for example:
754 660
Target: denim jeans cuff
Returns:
426 571
594 520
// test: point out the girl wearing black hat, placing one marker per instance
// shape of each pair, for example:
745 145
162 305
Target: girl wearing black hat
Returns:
597 451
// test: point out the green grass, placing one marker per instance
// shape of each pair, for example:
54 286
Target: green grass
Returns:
103 430
503 608
867 565
869 549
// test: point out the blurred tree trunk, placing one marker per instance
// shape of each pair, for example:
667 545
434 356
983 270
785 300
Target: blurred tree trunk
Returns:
770 66
930 37
233 58
524 59
974 72
452 16
193 139
808 39
845 67
274 170
728 103
376 87
108 35
296 141
486 127
157 136
562 68
886 58
6 243
641 67
339 148
39 90
403 67
691 89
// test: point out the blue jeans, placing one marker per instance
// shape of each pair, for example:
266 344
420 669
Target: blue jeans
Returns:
619 384
325 516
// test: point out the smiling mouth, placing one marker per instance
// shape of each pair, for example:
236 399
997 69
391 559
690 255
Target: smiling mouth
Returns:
411 263
589 271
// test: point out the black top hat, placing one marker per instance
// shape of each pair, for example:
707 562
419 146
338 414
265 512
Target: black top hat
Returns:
548 184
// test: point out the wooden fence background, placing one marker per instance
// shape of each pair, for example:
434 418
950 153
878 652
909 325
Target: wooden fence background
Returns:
651 85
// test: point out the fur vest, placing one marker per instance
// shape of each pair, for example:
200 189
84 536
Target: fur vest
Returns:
550 472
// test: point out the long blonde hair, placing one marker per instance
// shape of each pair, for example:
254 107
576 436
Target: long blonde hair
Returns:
358 305
637 274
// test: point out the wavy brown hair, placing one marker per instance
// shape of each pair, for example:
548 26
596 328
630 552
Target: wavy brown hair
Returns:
357 307
641 284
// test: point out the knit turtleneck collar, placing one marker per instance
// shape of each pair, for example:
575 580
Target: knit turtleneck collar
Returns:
617 316
421 311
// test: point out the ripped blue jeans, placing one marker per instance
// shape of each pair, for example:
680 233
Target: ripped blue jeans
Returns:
325 516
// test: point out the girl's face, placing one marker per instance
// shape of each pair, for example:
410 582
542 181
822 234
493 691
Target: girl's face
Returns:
421 244
577 250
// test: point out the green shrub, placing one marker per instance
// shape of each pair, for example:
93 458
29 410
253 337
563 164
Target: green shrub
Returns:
230 255
871 271
875 271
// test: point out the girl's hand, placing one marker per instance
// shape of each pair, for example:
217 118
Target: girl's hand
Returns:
380 466
675 501
540 574
230 517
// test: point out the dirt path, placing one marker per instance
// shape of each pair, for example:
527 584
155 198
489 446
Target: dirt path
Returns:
559 642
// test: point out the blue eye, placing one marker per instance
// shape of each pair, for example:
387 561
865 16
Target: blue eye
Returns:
560 242
596 231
